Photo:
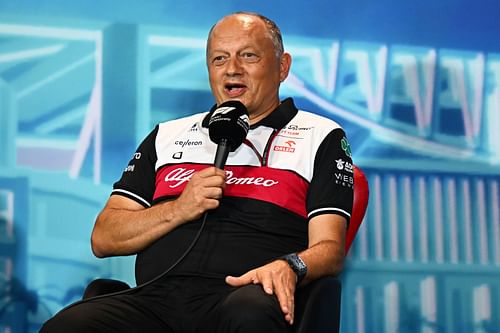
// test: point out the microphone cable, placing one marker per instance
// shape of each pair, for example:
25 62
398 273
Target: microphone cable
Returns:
159 276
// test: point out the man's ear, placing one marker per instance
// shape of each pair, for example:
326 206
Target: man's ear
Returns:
285 63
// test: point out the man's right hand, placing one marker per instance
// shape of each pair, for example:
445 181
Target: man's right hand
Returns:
201 193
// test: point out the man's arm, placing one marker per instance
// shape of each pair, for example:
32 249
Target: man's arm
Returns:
324 256
125 227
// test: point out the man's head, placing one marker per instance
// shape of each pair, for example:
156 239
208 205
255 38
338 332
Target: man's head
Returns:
246 62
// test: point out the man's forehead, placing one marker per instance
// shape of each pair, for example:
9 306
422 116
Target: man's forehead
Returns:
243 21
235 27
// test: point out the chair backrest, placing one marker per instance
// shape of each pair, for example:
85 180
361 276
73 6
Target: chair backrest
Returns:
359 205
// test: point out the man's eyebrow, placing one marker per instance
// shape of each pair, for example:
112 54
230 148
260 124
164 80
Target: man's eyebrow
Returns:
219 50
244 47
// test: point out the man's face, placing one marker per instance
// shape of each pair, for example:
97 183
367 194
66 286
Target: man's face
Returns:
242 65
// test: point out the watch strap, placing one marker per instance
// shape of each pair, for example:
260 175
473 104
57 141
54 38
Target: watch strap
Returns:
296 264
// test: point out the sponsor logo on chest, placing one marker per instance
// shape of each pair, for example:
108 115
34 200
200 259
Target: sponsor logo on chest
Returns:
188 143
179 176
287 147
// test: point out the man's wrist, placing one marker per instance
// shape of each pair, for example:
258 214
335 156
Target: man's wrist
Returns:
296 263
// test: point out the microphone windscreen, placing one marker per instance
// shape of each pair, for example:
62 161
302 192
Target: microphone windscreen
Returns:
229 121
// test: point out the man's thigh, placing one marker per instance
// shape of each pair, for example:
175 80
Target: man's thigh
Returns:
122 313
246 309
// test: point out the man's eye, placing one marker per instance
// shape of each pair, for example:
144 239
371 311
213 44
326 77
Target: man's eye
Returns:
219 60
250 57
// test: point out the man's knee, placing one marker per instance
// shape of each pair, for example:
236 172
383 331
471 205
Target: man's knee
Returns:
66 321
249 309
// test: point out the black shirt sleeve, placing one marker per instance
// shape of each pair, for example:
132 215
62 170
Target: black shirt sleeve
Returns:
332 184
138 179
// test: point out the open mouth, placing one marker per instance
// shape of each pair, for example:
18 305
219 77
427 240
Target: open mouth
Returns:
234 89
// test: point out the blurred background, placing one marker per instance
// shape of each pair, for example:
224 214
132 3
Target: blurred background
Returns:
416 85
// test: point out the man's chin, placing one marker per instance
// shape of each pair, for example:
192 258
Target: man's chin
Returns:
231 98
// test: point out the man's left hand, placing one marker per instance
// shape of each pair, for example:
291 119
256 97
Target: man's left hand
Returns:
276 278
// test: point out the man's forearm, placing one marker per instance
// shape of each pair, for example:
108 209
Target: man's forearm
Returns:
120 231
323 258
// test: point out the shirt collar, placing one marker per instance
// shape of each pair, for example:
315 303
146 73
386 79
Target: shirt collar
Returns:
276 119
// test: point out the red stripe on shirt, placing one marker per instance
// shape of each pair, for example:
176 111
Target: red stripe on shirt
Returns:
280 187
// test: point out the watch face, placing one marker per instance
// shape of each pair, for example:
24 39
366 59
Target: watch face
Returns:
297 264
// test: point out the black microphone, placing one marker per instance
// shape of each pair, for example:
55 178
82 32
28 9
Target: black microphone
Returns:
228 127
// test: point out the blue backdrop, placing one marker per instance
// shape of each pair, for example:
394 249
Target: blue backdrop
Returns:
416 85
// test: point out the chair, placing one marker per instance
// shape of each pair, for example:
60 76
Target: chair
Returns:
317 308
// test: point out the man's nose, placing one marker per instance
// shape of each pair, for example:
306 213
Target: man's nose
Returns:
233 66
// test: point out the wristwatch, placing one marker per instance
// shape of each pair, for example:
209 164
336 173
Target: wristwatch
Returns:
296 264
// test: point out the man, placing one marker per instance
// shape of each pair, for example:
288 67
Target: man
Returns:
276 216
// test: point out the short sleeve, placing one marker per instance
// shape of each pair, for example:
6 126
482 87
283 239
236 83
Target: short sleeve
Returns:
138 179
332 185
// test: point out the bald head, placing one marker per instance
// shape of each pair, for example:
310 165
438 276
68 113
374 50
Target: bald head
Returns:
246 19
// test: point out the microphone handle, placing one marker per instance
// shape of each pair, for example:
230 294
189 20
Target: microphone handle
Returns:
223 149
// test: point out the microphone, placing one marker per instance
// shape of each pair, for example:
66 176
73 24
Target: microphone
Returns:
228 127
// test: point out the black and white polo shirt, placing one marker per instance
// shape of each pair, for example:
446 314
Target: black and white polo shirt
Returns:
293 166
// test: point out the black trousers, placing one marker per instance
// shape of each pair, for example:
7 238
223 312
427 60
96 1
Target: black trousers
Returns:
176 305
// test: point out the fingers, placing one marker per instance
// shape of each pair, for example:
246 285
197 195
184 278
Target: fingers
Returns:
247 278
276 278
266 279
208 183
211 171
285 292
209 177
201 193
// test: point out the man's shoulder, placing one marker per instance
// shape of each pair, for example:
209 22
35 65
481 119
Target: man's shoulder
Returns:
311 119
